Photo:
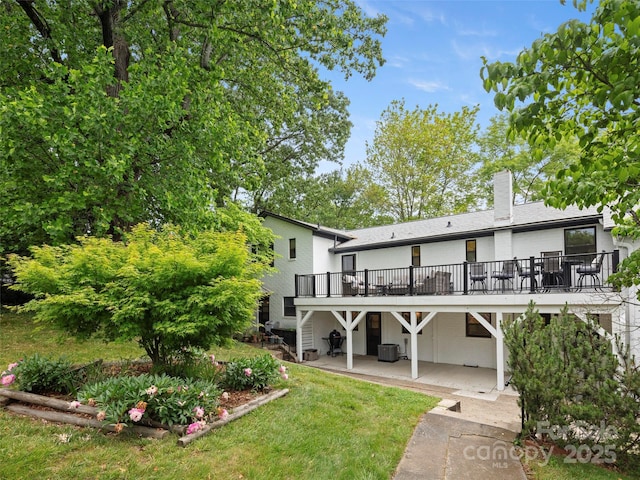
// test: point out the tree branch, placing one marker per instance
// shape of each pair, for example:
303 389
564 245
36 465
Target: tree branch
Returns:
41 25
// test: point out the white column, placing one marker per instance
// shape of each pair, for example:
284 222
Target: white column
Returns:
349 329
499 352
299 334
414 346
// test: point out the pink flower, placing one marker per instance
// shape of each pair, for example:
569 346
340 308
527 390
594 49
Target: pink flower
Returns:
8 379
135 414
12 366
74 404
282 369
198 411
222 413
213 359
152 390
285 376
247 372
194 427
101 415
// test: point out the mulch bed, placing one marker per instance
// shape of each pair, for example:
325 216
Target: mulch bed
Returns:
238 403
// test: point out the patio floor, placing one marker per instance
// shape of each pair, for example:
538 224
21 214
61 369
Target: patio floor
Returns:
474 382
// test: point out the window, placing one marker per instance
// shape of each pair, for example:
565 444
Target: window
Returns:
415 256
348 263
471 251
475 328
273 254
407 317
353 317
289 307
263 310
292 248
580 240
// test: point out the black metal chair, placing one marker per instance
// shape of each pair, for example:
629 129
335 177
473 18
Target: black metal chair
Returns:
591 270
478 274
526 273
507 274
552 276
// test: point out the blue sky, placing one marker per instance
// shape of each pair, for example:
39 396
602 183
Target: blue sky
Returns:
432 51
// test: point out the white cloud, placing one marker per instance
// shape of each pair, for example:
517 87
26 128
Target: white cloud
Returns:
428 86
482 31
475 50
398 61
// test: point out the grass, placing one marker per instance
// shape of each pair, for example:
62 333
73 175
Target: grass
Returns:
328 426
559 469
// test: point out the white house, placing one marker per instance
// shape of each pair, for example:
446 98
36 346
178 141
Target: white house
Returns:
438 290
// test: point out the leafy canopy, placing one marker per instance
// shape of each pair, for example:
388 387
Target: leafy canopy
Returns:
166 289
582 82
422 159
124 112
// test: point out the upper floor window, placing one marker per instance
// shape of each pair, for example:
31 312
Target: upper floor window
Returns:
471 251
348 263
273 254
580 240
415 256
292 248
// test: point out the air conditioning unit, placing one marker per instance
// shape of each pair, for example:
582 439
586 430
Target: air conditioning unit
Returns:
388 352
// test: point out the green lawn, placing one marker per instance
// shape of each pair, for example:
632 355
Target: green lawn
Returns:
328 426
559 468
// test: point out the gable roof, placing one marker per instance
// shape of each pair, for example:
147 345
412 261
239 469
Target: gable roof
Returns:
526 217
316 229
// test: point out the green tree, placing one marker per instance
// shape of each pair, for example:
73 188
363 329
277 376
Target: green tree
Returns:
121 112
583 82
343 199
166 289
423 159
573 388
498 150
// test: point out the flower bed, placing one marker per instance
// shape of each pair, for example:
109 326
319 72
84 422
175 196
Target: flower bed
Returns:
128 397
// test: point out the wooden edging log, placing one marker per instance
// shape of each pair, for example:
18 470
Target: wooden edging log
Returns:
46 401
237 413
85 422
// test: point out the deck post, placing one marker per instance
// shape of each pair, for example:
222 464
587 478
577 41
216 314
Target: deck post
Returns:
299 334
349 322
414 346
499 352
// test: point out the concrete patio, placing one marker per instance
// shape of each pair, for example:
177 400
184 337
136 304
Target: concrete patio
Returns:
472 381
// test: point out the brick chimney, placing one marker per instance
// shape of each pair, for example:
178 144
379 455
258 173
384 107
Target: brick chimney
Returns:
502 199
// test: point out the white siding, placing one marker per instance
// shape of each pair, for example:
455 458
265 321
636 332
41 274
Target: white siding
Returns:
282 284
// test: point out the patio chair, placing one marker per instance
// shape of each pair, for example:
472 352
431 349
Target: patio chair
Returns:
443 285
507 274
478 274
351 286
551 272
591 270
526 273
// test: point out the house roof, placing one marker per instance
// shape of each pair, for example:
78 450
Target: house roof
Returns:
526 217
319 230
